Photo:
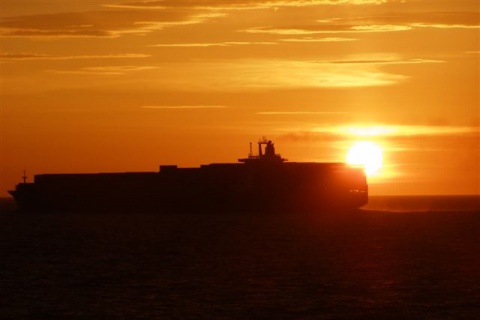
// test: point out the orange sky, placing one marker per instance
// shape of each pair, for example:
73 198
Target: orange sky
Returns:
97 86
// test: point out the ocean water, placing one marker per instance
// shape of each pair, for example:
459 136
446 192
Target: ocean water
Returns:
399 258
462 203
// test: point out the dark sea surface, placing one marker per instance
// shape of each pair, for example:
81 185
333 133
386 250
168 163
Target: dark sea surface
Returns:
398 258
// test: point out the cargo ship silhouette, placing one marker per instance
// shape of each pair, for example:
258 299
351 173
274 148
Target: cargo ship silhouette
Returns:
259 182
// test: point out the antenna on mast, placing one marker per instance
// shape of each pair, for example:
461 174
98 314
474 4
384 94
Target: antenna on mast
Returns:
24 177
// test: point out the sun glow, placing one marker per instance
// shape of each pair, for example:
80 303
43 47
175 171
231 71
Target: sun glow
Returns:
368 154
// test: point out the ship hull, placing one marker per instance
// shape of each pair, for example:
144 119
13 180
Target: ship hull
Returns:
209 188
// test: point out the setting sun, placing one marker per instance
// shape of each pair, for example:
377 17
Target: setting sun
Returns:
368 154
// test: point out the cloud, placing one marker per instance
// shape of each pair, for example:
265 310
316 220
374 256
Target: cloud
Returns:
411 20
310 39
310 30
238 4
104 70
106 24
263 74
400 134
402 130
213 44
23 56
157 5
380 28
143 17
445 26
375 24
381 59
185 107
325 29
36 56
288 113
281 30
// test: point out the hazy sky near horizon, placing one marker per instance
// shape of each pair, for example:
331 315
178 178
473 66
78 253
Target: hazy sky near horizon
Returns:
112 85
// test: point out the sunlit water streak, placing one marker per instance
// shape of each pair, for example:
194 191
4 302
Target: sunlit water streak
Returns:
453 203
362 265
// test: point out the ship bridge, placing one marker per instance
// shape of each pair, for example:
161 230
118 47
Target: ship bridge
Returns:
266 153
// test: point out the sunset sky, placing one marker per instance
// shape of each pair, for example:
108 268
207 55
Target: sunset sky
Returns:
112 85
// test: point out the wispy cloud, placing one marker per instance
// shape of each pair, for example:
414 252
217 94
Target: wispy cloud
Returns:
382 59
37 56
261 74
23 56
289 113
445 26
144 17
212 44
375 24
156 5
281 30
106 23
238 4
397 133
311 39
185 107
380 28
310 30
264 74
145 26
399 130
104 70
